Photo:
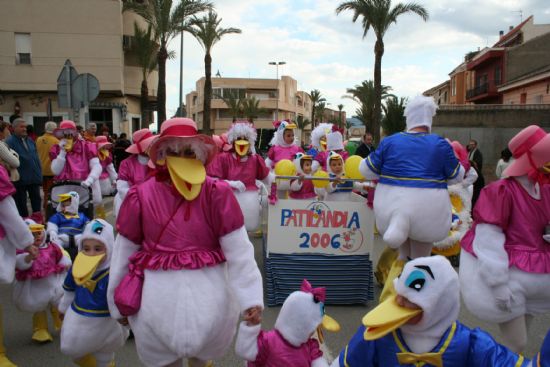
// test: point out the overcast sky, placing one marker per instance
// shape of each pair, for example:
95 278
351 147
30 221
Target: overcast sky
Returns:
326 51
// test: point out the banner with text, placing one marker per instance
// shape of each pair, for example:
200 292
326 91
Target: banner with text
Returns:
322 227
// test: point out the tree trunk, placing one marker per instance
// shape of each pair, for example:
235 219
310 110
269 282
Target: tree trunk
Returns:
312 116
144 102
206 129
161 91
378 53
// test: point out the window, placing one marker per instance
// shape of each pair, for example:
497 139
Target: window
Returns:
23 48
538 99
453 83
498 75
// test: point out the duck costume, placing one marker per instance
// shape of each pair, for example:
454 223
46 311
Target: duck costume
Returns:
303 189
334 143
108 173
542 359
134 169
183 268
68 221
279 148
418 326
413 169
75 159
38 282
14 234
505 262
341 191
89 335
290 343
240 168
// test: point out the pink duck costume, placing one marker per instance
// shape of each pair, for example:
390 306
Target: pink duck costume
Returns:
108 173
183 267
291 342
304 189
335 143
240 168
134 169
38 282
76 159
279 148
14 234
505 262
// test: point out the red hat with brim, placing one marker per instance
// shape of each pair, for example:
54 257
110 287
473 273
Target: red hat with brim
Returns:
103 142
65 127
530 149
181 128
142 140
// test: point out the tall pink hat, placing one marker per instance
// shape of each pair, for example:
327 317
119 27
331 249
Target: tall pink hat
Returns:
461 154
177 130
65 127
531 151
142 139
102 142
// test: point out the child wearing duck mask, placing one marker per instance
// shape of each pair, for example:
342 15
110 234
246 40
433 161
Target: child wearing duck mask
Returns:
418 326
283 144
89 335
291 343
39 275
67 224
240 168
303 189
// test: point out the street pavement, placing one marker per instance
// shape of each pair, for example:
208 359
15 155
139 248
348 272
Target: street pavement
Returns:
25 353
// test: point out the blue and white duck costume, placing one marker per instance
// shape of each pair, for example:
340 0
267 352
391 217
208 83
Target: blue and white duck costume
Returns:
66 223
412 205
88 331
427 334
342 191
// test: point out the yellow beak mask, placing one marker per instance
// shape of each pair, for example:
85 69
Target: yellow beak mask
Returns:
69 145
386 317
84 268
242 147
103 154
187 174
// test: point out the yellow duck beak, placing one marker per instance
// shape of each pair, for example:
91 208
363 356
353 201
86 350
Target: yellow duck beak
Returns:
69 145
323 145
85 266
103 154
385 318
329 324
187 174
63 197
242 147
36 228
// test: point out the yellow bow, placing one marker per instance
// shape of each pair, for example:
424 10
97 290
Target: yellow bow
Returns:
90 285
418 360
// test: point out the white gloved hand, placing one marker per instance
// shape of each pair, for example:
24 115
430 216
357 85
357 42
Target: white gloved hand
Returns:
503 297
87 182
546 237
237 185
54 237
62 143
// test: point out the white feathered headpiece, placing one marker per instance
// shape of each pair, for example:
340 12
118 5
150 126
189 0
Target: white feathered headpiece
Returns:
321 130
420 112
243 129
278 137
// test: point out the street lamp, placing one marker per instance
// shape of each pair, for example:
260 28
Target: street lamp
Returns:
277 102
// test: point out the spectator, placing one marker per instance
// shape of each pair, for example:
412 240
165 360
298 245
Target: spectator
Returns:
366 146
476 160
43 144
8 157
89 134
120 153
504 161
16 112
30 171
80 131
30 132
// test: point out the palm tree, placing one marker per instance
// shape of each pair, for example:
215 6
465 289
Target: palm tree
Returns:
394 115
379 15
340 108
145 49
320 109
316 98
302 124
235 104
251 108
365 96
166 22
207 32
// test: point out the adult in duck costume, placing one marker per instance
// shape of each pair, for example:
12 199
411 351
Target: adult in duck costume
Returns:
413 169
319 142
418 326
505 262
240 168
183 267
108 175
291 342
39 280
14 234
89 335
76 159
134 169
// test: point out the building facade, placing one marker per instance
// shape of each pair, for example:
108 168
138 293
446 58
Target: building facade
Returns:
39 36
440 93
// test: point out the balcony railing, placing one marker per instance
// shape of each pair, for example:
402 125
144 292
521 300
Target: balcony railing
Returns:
485 88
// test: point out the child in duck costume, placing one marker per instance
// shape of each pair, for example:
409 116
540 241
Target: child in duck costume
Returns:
301 189
108 174
291 343
66 226
76 159
413 169
334 143
283 145
38 281
183 267
89 335
240 168
505 262
14 234
418 326
134 169
339 190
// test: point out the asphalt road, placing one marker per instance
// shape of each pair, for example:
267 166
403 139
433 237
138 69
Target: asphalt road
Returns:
25 353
